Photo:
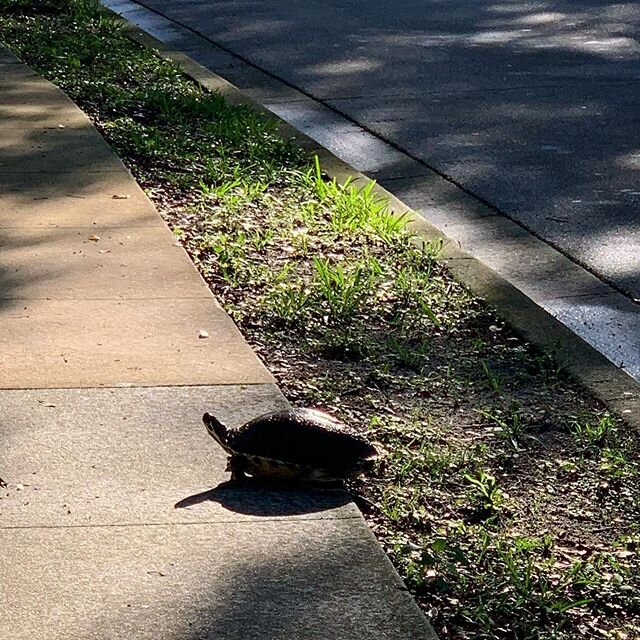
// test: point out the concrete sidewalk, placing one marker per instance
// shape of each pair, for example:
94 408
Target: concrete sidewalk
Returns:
116 522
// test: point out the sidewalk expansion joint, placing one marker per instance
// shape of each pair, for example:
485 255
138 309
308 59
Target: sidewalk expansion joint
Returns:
124 298
146 387
55 172
132 525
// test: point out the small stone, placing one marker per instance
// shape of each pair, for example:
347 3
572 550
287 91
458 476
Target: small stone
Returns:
203 334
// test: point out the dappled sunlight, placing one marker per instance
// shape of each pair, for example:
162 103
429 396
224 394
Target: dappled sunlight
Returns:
611 48
508 8
524 38
498 37
544 17
629 160
609 32
347 67
605 328
261 27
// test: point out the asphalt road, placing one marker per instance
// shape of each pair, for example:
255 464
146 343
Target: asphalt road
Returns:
532 106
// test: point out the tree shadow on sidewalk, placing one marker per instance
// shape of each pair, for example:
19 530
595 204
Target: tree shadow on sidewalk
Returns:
58 179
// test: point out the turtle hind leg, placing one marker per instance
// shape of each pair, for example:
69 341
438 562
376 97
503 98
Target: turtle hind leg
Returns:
238 467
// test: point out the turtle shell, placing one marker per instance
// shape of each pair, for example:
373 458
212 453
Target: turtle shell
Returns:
303 438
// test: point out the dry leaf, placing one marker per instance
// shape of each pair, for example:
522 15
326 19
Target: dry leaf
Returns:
203 334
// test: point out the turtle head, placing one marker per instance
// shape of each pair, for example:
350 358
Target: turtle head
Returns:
217 430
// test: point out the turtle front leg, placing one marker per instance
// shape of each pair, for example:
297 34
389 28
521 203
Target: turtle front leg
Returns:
238 467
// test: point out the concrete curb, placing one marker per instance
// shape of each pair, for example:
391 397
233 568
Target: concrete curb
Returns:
617 390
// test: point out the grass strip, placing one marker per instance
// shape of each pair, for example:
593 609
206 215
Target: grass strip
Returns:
507 498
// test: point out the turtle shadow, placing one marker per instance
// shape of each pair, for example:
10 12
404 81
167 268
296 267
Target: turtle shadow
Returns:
269 499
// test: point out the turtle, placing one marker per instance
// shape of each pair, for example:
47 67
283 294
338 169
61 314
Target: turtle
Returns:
296 444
